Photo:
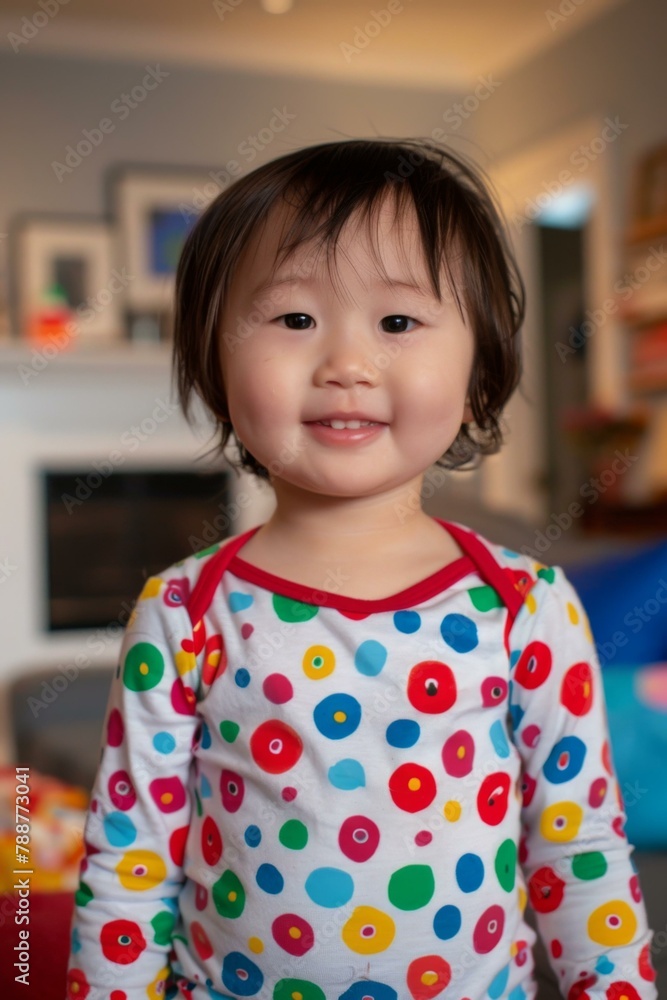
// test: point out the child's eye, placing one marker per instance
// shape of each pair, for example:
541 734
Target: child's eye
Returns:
297 321
396 324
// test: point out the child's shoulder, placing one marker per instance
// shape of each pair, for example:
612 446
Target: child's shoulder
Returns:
506 557
191 567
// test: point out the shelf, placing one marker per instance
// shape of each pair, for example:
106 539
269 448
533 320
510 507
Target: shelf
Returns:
123 354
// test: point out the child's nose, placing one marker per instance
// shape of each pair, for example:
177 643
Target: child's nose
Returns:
346 359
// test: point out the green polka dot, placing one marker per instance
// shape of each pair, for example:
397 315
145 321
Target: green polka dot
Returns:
288 989
484 598
411 887
208 551
229 730
317 661
200 811
83 894
144 667
548 574
229 895
163 925
293 611
293 834
506 864
589 866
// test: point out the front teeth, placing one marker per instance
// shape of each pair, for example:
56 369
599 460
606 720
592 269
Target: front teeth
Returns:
352 425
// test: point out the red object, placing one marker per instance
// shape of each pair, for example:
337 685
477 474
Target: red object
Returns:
49 945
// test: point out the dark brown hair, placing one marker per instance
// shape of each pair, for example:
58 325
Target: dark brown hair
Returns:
324 186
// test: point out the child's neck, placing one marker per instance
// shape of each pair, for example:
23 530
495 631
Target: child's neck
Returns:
374 546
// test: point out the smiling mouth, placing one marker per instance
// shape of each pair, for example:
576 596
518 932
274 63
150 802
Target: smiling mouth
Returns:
351 425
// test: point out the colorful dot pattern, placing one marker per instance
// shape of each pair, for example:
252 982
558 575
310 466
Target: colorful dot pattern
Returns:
298 802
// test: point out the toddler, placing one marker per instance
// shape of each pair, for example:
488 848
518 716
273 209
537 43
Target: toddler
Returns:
345 749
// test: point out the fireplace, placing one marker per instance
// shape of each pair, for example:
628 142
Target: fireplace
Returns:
105 534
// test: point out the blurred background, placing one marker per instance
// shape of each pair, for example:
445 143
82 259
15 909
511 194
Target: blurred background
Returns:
119 124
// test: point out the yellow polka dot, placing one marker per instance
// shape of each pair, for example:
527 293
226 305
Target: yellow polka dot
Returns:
452 810
414 784
531 603
256 945
613 924
461 752
231 896
214 658
184 662
296 995
523 899
560 822
572 612
143 668
151 588
340 716
294 932
167 797
429 978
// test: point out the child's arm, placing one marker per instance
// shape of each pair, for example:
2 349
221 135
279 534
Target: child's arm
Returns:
135 832
581 880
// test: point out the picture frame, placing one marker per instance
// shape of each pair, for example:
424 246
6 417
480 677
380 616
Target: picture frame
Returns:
61 272
153 207
650 196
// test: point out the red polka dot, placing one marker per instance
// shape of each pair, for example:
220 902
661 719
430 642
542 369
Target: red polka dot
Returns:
533 666
275 746
412 787
556 948
289 793
115 729
278 689
431 687
423 837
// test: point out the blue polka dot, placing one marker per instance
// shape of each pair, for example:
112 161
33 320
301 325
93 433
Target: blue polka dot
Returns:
269 879
469 872
565 760
164 742
205 741
347 774
76 941
370 657
120 829
369 989
407 621
329 887
337 716
459 632
252 836
239 601
499 739
205 787
447 922
241 975
510 553
403 733
498 983
518 993
242 677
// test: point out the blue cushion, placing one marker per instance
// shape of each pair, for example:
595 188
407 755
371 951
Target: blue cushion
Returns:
637 713
625 597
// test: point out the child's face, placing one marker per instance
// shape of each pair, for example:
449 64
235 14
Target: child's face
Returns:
314 345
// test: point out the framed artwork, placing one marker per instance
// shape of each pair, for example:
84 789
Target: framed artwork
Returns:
61 271
650 196
153 208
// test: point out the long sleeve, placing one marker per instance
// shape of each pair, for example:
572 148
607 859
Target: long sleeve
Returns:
127 902
582 884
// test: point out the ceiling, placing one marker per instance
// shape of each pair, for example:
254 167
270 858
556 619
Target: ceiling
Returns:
421 43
